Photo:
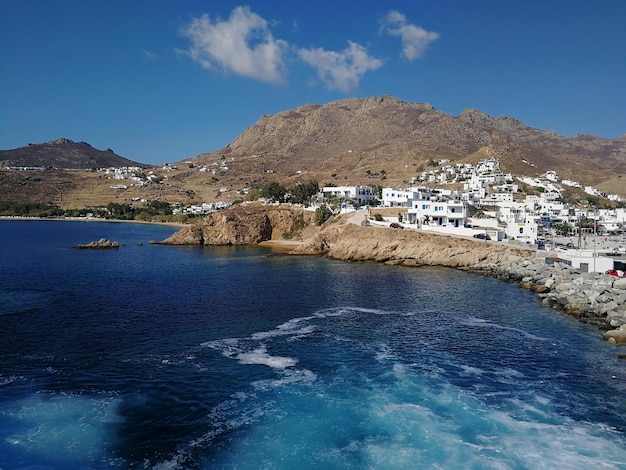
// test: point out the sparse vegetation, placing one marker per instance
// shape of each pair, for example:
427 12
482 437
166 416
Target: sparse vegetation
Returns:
273 192
563 229
322 214
35 209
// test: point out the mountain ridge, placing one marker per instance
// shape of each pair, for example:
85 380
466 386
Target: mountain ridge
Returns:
350 137
64 154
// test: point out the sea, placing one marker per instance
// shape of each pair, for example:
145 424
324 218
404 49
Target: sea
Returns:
163 357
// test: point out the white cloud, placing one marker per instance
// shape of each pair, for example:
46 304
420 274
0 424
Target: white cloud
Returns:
242 44
341 70
415 39
149 56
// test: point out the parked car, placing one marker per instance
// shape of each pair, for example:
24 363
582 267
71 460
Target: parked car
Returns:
396 225
482 236
616 273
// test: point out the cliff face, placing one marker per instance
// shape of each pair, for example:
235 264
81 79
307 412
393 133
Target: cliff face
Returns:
244 225
349 242
340 239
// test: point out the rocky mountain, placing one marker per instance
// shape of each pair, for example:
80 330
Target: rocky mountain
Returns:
63 154
361 139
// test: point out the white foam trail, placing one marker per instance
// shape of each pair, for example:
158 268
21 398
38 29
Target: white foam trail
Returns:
260 356
69 429
289 377
473 321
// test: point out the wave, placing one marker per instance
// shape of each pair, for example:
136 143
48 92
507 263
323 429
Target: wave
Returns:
481 323
384 396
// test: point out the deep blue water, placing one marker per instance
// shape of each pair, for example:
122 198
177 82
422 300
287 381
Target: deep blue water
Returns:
164 357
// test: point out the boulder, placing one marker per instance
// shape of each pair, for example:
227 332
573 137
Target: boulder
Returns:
103 243
620 283
616 336
248 224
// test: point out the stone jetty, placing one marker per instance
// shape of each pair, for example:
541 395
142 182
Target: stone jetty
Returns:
593 298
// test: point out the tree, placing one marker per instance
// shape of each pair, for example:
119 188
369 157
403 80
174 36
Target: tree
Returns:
119 211
273 192
322 214
253 194
378 190
563 229
302 193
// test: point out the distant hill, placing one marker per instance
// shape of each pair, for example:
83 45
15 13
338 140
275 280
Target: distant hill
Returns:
63 154
354 139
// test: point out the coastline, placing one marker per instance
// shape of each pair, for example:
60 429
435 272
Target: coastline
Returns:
94 219
592 299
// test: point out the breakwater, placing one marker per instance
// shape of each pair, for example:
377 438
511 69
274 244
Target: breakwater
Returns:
594 298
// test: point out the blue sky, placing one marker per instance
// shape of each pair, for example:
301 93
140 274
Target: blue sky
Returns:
163 80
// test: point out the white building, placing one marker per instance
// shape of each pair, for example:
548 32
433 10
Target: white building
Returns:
359 194
394 197
587 261
442 213
524 232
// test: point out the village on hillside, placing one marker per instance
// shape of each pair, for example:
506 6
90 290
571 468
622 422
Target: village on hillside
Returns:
491 206
498 207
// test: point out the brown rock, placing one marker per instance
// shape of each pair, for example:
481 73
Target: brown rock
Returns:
103 243
246 224
341 240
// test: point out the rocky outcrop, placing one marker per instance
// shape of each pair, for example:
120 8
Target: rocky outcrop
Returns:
593 298
245 224
103 243
349 242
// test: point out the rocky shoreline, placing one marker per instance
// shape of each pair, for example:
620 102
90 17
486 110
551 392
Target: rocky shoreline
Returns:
593 298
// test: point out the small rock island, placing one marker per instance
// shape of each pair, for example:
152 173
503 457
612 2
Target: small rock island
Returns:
103 243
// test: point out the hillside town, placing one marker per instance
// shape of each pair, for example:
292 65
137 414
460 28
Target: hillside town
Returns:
499 207
481 202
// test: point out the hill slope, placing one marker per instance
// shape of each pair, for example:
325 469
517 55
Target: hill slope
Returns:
63 154
354 139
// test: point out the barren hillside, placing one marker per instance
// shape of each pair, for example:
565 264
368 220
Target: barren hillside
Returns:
356 139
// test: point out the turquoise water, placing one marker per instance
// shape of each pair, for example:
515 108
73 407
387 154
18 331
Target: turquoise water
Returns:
190 357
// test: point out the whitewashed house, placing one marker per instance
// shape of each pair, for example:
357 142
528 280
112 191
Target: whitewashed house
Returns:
524 232
394 197
441 213
359 194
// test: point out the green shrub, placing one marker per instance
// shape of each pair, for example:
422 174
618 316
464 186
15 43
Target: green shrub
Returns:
322 214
